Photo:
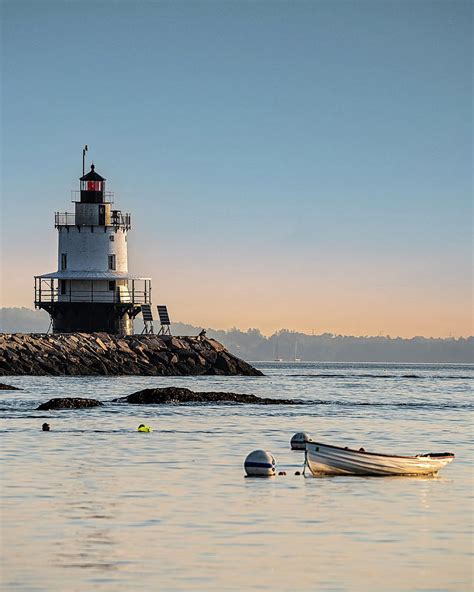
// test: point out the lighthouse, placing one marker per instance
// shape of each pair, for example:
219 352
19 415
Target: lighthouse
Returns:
92 289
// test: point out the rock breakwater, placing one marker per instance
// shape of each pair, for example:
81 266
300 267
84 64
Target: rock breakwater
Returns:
99 354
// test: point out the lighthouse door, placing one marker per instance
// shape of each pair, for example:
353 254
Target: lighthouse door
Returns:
101 215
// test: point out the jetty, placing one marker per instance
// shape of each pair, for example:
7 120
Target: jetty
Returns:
105 354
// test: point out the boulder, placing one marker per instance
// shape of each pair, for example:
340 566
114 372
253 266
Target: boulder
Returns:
69 403
178 396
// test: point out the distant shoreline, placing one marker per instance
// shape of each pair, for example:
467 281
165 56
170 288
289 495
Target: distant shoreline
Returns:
325 348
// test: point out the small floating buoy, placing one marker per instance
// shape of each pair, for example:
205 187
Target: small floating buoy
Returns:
297 473
298 442
282 473
46 427
144 428
260 463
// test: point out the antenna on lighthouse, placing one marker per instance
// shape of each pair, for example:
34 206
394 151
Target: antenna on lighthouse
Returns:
84 159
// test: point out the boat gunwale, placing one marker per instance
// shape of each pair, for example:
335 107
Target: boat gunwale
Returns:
436 455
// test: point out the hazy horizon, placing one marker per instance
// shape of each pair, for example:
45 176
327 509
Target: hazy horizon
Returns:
298 165
17 319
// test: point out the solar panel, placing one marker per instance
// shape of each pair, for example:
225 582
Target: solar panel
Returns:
146 312
163 313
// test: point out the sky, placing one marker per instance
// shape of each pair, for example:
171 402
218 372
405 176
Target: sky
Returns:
305 165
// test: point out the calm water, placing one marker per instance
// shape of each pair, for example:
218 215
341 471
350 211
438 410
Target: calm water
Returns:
94 505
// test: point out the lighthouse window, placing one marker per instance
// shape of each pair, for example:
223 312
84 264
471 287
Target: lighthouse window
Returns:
112 237
91 185
112 262
112 285
62 284
63 260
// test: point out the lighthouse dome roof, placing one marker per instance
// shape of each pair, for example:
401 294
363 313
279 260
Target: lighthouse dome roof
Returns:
92 175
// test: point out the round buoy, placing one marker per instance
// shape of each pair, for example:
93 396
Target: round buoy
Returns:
260 463
144 428
298 442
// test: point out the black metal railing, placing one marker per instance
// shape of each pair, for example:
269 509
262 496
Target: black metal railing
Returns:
117 219
52 290
64 219
101 296
120 220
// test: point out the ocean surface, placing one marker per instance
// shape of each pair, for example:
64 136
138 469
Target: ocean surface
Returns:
94 505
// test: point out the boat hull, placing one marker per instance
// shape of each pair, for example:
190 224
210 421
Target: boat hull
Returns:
323 459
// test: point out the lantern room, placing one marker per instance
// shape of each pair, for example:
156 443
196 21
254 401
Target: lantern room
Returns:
92 187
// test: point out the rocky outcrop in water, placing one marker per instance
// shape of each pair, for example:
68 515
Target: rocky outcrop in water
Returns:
69 403
7 387
77 354
178 396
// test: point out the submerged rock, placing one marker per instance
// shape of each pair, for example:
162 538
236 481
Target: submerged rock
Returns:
7 387
69 403
178 396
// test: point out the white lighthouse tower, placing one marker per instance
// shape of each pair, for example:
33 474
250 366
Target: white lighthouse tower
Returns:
92 289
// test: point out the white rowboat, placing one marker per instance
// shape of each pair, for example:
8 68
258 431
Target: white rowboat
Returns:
323 459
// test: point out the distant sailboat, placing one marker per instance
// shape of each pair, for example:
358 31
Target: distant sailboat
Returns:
276 357
295 357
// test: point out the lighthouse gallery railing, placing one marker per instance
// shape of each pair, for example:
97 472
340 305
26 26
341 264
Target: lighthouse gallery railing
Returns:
117 219
50 290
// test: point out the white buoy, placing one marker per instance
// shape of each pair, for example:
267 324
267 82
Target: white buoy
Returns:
298 442
260 463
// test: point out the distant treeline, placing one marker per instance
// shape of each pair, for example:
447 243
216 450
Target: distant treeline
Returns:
288 345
